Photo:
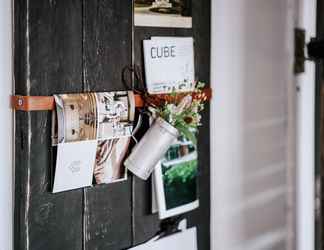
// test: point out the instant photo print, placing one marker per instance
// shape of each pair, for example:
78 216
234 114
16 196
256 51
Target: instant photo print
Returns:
175 180
92 133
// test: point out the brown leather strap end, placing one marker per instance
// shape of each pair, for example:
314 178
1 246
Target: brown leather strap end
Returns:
32 103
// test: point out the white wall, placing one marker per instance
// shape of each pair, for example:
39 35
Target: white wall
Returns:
6 166
253 125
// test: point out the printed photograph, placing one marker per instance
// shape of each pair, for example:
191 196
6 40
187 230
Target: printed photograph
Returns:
97 129
76 117
115 114
176 179
163 13
109 160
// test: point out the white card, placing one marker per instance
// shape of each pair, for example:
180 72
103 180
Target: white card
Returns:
186 240
169 65
155 207
74 165
176 179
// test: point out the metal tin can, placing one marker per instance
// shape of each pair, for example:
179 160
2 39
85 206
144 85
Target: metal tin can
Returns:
151 148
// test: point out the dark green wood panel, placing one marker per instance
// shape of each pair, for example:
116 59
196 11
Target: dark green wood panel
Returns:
75 46
107 50
48 59
146 224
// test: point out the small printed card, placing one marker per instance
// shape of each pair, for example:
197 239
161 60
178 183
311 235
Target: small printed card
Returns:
169 64
75 165
92 132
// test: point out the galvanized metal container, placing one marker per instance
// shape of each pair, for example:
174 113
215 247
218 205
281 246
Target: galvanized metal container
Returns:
151 148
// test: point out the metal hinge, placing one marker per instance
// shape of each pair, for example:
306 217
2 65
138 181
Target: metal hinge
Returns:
300 44
314 50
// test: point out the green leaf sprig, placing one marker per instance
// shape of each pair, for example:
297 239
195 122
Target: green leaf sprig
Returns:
185 114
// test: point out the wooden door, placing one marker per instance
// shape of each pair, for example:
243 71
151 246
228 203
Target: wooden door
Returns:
77 46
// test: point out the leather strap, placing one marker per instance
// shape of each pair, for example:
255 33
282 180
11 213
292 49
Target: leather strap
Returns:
43 103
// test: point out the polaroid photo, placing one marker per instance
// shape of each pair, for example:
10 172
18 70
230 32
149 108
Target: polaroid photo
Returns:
175 178
163 13
169 64
110 156
74 165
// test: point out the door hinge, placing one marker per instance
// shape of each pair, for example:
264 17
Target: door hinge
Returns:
300 42
314 50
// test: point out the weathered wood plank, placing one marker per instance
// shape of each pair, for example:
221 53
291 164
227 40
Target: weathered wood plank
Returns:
48 59
107 50
201 29
107 43
146 224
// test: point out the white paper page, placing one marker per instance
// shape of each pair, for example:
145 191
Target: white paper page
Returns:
155 207
171 38
74 165
186 240
169 65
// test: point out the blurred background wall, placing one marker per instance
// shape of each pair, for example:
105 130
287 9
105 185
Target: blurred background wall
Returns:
262 127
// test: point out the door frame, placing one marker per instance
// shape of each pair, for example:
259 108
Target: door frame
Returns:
6 127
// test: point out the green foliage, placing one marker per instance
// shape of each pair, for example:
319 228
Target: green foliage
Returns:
185 115
182 172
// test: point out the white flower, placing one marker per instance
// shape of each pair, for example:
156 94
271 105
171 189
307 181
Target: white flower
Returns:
184 104
171 107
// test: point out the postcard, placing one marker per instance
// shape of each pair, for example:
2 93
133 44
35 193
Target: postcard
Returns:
163 13
74 165
175 179
169 64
